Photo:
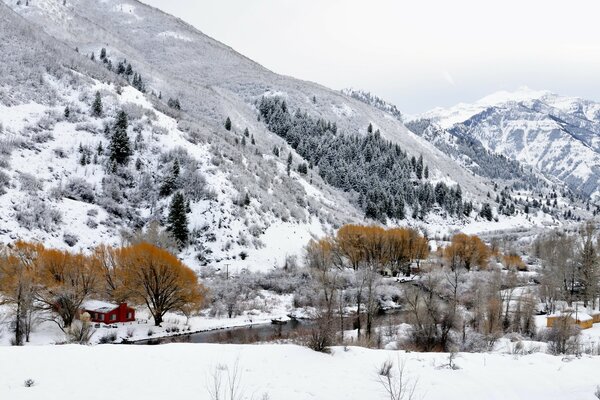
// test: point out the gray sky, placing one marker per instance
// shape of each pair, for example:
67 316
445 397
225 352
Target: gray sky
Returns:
417 54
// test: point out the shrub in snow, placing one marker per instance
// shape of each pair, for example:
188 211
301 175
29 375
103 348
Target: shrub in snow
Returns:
108 338
37 214
60 152
29 383
70 239
80 332
30 183
4 181
91 223
79 189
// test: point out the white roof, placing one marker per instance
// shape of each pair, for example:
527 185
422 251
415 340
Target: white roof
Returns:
98 306
579 315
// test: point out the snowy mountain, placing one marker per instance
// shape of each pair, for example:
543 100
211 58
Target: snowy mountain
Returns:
557 135
375 101
253 198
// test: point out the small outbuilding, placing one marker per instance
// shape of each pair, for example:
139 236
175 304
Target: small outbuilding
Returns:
582 319
108 313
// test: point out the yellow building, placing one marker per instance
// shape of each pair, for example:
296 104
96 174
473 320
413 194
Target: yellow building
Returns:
584 320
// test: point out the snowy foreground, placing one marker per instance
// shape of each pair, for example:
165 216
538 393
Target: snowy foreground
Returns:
182 371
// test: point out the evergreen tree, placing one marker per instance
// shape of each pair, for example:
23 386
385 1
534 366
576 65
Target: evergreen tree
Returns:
170 183
67 112
103 54
426 172
228 124
486 212
370 128
120 148
177 222
419 167
120 68
97 106
246 132
289 164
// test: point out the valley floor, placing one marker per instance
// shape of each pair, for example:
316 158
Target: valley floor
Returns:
183 371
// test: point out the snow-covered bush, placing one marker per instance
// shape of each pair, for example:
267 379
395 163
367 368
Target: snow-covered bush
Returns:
109 337
37 214
30 183
70 239
4 181
79 189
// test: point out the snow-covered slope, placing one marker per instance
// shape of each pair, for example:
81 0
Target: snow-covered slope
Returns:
47 48
557 135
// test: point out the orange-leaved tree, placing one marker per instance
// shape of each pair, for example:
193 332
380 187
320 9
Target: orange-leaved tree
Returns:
466 251
18 283
66 281
514 261
156 278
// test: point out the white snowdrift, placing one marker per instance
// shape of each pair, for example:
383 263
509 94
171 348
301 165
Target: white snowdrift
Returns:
283 372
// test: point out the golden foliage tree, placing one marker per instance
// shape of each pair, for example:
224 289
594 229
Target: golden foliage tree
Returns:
156 278
467 251
18 282
66 281
514 261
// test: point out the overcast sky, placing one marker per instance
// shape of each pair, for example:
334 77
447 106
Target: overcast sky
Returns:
417 54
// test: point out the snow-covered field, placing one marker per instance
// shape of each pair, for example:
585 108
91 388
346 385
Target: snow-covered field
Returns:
182 371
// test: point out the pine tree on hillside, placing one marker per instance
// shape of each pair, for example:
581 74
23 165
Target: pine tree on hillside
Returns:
228 124
289 164
97 106
120 148
177 223
486 212
370 128
246 132
419 167
170 183
103 54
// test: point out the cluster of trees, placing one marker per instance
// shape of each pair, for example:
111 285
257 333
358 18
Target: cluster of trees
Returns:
383 177
459 302
123 69
571 266
370 251
38 282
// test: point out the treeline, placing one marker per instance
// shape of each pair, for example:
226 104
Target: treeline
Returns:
385 180
460 301
55 283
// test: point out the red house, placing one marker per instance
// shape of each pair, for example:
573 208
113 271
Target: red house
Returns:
108 313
